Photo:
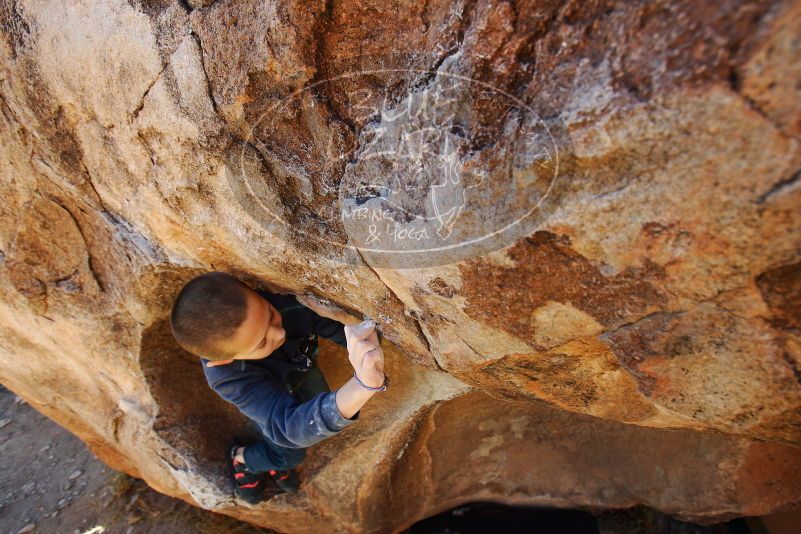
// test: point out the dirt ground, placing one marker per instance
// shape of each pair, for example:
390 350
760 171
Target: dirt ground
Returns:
51 483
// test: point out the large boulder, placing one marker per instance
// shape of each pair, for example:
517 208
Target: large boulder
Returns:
577 224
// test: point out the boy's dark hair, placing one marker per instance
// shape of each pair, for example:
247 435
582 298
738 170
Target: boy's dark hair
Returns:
208 309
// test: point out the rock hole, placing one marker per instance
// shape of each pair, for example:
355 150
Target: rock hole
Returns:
192 418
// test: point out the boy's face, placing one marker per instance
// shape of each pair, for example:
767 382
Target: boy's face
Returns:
260 333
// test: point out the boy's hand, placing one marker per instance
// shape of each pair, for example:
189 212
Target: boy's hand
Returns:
365 353
325 310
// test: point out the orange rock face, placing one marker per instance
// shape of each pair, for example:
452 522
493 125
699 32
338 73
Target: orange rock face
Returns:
577 223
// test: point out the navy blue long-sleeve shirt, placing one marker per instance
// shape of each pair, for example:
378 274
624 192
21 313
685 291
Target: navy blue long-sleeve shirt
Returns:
257 387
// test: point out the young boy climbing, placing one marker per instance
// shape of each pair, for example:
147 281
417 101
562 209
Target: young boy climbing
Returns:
258 350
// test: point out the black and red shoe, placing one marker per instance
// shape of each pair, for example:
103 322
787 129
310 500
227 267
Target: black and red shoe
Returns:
248 486
287 480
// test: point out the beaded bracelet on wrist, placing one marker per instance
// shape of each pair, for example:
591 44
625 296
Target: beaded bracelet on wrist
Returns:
365 386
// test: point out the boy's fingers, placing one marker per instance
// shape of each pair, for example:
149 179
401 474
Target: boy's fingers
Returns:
360 331
373 337
374 355
373 359
364 346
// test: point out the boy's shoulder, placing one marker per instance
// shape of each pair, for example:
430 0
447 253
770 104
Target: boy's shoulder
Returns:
229 380
215 373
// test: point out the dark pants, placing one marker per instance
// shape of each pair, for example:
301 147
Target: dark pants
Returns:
266 455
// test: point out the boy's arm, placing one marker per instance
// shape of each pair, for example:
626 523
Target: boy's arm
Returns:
330 329
335 330
281 417
329 321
